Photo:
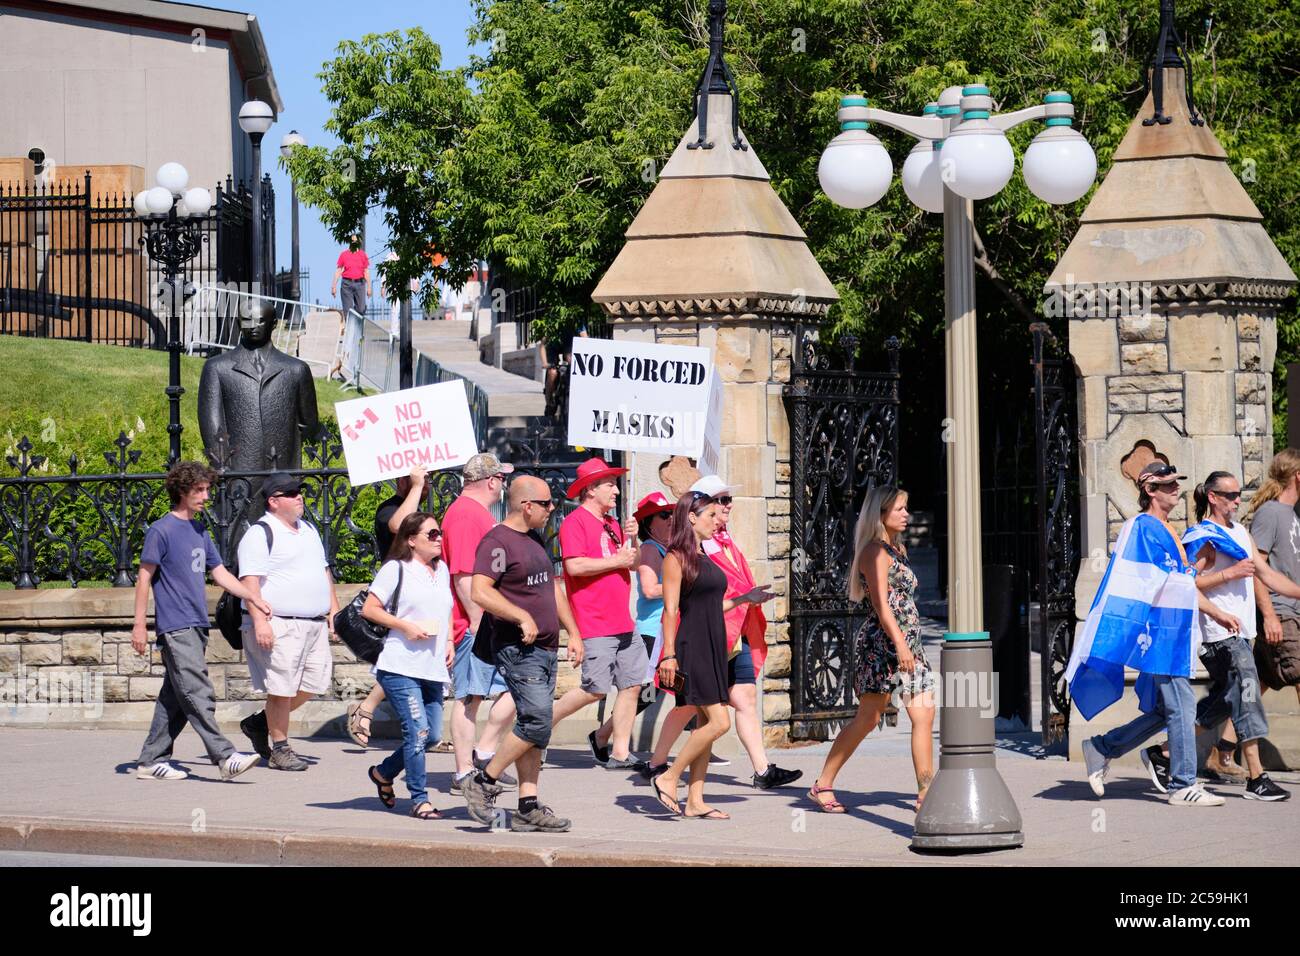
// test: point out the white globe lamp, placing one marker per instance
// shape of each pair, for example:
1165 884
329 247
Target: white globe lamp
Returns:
1059 165
198 200
173 177
158 200
855 169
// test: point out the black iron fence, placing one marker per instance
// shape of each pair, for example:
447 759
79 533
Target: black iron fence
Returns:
73 264
87 527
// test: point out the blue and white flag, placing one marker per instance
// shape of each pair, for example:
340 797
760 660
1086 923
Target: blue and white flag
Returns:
1215 535
1144 617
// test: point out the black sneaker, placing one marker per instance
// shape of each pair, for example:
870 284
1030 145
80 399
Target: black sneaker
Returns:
506 781
255 729
539 819
774 777
282 758
480 798
598 753
1262 788
1157 765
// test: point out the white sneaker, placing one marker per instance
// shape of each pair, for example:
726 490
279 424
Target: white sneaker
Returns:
236 764
1097 766
1195 796
159 771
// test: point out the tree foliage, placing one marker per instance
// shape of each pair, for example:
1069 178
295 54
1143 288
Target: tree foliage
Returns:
541 152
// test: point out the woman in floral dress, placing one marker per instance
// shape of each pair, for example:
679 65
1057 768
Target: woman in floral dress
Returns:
888 657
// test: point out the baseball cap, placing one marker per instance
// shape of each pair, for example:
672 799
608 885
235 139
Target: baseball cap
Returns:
485 465
711 485
1159 471
279 483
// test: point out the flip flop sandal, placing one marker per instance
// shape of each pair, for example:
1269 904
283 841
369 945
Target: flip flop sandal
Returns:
828 806
425 811
386 795
714 814
357 714
667 802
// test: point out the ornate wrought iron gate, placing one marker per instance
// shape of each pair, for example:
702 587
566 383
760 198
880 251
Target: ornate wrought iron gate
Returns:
843 441
1057 501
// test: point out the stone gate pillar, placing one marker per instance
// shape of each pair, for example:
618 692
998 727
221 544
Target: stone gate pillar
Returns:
1172 288
715 259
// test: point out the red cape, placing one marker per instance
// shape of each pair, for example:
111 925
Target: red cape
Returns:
748 619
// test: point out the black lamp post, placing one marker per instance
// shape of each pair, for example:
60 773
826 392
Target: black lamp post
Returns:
173 221
255 118
292 140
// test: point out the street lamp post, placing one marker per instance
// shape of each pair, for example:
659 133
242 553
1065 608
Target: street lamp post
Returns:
292 140
255 118
173 220
962 155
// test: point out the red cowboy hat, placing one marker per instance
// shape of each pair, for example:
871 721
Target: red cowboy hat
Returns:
591 471
654 502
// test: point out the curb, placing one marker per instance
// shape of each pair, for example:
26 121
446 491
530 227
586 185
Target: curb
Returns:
290 848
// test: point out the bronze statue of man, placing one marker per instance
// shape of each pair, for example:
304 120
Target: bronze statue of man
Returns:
262 400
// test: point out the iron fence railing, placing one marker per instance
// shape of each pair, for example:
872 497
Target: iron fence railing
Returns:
73 264
88 527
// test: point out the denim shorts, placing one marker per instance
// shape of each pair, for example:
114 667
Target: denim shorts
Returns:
529 672
740 669
1235 688
471 677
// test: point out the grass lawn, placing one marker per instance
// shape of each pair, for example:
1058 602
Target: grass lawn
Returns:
74 397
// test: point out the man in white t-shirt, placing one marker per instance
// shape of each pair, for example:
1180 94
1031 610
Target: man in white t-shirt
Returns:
288 653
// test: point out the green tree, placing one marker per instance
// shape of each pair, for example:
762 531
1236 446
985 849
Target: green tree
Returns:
576 105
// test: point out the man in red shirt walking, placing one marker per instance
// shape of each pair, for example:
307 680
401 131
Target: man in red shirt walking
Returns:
354 269
598 559
464 525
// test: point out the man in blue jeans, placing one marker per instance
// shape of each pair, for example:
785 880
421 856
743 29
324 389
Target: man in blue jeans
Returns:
1144 617
524 606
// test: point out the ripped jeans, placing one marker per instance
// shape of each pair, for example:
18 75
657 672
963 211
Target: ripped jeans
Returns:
415 701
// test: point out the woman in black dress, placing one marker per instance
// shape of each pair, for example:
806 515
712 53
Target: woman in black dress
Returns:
695 647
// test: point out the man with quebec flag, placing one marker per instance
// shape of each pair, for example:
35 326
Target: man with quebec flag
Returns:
1144 617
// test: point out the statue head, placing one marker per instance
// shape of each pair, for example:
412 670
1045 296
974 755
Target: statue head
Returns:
256 324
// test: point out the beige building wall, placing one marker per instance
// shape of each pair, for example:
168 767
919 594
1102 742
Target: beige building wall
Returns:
94 93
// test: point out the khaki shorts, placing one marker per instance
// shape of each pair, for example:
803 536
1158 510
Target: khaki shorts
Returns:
299 659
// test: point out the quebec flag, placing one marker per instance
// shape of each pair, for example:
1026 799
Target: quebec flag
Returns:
1207 532
1143 617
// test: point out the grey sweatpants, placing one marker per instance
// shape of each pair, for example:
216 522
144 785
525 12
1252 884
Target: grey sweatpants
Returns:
186 697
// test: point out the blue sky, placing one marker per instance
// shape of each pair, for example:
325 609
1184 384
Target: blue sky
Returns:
301 35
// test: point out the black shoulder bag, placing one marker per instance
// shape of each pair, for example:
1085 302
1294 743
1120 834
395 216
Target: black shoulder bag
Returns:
228 617
365 638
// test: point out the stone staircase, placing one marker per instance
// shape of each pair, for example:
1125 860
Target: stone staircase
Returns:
511 398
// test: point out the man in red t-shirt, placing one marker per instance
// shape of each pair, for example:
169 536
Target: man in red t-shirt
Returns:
463 526
598 559
354 268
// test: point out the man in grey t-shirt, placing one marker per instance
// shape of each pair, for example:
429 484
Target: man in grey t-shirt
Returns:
1276 531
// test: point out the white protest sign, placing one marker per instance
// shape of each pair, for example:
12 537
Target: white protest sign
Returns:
386 435
636 396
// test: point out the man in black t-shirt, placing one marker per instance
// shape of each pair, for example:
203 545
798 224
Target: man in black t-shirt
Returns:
524 606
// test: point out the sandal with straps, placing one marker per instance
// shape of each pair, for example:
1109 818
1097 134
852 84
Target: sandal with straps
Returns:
425 811
385 787
356 714
826 806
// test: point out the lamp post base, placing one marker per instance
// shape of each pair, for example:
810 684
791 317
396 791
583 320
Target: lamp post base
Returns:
968 808
968 805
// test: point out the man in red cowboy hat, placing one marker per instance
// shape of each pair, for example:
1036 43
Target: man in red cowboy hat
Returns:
598 559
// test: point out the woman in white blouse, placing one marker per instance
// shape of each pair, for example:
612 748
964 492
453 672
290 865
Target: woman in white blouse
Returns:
412 667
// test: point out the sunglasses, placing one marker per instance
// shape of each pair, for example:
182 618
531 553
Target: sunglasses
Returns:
546 503
433 534
1230 495
725 501
1161 485
667 515
296 493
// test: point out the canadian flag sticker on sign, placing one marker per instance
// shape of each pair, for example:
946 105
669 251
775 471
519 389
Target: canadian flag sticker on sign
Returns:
386 435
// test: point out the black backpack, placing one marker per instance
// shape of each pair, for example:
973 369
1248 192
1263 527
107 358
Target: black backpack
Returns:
228 617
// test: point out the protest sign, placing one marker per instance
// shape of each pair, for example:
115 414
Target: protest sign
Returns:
637 396
711 454
386 435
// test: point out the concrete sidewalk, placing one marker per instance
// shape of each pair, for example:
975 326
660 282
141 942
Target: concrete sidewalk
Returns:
75 792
